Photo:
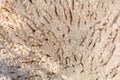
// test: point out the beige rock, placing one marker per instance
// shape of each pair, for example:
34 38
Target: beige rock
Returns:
59 40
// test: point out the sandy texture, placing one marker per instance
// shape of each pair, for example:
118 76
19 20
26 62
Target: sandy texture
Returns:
59 40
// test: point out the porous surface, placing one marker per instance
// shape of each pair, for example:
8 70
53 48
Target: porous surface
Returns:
59 40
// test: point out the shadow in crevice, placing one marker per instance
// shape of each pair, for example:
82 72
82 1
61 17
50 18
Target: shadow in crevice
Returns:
12 72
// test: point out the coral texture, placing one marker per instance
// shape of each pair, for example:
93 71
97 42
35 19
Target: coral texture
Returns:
59 40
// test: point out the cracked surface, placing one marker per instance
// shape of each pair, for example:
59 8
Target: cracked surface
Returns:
59 39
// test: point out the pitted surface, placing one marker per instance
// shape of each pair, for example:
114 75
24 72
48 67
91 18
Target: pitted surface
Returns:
59 39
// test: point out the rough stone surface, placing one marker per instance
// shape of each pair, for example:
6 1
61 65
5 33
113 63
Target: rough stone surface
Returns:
59 40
